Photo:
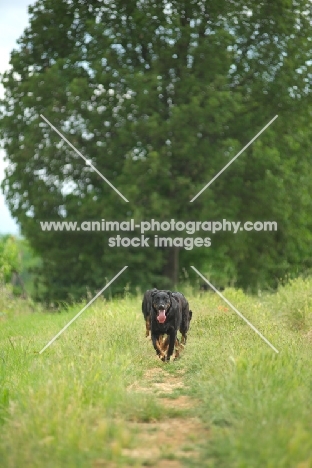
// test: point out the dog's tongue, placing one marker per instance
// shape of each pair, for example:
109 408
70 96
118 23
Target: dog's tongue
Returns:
161 316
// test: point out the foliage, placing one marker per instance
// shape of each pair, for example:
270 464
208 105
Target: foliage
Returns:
9 258
18 264
160 96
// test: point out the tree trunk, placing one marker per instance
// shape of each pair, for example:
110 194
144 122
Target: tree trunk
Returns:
171 267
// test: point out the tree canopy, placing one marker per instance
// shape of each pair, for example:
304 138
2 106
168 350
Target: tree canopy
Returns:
160 96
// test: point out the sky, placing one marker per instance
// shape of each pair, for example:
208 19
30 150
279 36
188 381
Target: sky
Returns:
13 21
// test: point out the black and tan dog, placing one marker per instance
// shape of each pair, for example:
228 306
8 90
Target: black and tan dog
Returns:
165 313
146 309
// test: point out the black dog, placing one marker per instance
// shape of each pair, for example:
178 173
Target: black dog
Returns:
165 313
146 309
186 315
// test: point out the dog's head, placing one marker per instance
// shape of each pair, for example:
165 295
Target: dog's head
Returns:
161 304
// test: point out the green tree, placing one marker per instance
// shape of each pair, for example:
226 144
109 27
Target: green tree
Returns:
160 96
10 261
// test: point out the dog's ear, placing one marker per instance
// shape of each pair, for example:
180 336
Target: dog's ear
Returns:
169 294
155 291
175 297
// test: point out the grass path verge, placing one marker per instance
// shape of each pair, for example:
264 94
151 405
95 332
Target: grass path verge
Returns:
100 397
168 442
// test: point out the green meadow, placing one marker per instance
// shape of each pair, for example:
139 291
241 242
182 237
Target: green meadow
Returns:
99 397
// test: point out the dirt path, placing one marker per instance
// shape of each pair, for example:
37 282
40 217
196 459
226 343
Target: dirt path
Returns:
162 444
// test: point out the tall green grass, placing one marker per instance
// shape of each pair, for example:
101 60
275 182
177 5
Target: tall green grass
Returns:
256 403
71 406
67 406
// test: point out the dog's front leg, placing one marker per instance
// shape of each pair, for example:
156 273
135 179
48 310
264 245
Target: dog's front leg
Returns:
155 341
172 340
148 326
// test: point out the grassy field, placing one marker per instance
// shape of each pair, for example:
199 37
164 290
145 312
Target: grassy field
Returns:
98 397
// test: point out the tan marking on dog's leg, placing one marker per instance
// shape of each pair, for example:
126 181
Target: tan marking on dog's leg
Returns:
148 326
183 339
180 346
159 347
166 343
177 348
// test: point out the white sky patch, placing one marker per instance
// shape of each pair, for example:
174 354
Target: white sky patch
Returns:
13 21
